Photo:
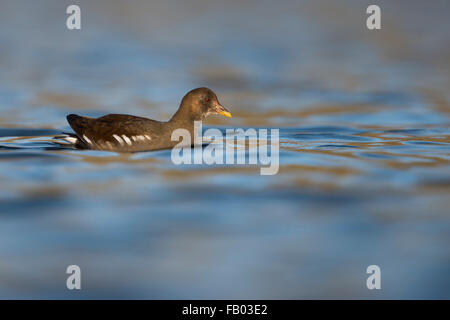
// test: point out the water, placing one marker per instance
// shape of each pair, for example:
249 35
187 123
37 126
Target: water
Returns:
364 151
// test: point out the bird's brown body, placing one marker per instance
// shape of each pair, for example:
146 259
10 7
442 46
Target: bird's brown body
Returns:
127 133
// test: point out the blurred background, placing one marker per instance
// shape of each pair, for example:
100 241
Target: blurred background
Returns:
364 150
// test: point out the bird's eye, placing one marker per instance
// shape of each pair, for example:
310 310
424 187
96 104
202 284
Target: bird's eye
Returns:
207 100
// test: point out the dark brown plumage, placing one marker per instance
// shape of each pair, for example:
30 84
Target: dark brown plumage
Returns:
126 133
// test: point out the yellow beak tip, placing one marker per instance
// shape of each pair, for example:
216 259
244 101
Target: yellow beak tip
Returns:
225 114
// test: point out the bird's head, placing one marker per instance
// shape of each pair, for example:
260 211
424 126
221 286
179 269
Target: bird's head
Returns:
199 103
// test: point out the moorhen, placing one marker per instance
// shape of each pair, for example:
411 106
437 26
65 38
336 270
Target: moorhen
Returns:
126 133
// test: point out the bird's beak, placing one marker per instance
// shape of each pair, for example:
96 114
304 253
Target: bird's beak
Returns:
222 111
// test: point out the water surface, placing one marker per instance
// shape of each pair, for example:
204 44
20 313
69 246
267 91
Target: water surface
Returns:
364 172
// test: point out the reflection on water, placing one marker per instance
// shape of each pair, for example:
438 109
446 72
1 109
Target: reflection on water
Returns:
364 170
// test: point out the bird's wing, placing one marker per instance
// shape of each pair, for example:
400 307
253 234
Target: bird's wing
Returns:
115 131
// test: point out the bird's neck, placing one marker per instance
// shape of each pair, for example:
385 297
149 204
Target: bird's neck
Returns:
184 118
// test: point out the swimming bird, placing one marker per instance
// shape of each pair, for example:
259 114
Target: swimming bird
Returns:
127 133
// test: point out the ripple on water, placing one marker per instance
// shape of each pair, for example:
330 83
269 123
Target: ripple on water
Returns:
364 151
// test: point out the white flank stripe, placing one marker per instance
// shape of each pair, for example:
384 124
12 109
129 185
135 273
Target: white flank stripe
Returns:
119 139
87 139
126 139
148 137
134 138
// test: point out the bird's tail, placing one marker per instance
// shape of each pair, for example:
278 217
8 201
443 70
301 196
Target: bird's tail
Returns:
67 139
